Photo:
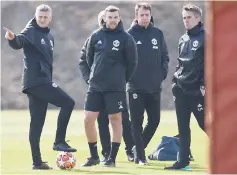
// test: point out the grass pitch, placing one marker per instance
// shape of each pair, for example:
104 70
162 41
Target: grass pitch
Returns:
16 156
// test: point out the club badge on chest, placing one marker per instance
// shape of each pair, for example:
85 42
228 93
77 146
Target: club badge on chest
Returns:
154 43
116 44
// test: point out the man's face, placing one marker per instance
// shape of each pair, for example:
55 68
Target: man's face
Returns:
43 18
143 17
112 19
190 20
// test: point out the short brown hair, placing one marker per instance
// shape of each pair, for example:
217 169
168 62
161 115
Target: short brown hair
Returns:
143 5
111 8
193 8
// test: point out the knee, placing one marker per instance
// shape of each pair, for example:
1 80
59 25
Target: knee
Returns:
71 103
90 117
68 103
115 120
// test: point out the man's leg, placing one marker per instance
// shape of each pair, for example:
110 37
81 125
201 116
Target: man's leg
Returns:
116 123
152 105
115 104
38 110
127 135
93 104
198 108
103 126
183 113
137 108
55 95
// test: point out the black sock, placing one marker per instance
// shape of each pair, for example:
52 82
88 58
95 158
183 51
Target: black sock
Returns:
93 150
114 151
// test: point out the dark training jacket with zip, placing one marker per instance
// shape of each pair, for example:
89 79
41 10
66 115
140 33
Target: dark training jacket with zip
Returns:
189 75
153 59
37 44
112 58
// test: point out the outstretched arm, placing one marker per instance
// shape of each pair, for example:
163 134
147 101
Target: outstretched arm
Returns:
15 41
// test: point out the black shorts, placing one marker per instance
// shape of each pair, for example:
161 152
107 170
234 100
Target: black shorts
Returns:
113 102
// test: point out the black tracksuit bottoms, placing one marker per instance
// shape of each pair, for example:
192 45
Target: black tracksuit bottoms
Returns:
139 102
186 104
39 97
